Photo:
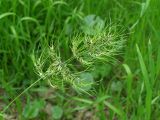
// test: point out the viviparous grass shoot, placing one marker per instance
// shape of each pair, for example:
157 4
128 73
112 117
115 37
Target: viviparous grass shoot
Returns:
79 59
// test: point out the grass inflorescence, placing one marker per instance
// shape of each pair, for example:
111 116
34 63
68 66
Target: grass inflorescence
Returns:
88 50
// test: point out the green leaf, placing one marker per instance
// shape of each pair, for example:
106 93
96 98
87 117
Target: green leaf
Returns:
68 29
84 82
1 116
146 82
116 110
87 101
57 112
32 109
92 25
143 69
129 79
144 8
101 71
6 14
116 86
30 19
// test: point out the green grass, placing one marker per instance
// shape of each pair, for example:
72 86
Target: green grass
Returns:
126 89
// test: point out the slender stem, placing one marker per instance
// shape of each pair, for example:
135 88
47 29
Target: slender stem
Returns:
20 95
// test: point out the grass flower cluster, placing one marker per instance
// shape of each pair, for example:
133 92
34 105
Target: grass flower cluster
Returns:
99 48
88 50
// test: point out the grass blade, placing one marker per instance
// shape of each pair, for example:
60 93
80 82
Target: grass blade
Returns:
129 83
83 100
151 63
113 108
30 19
147 84
6 14
158 64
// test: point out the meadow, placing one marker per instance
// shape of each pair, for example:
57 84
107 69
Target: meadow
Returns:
79 59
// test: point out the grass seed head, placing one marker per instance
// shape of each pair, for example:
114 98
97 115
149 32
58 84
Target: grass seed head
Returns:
87 49
101 47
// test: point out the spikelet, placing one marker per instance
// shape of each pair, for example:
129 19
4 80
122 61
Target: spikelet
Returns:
99 48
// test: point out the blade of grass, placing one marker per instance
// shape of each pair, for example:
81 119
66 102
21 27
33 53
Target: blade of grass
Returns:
147 84
83 100
30 19
109 105
145 6
4 110
129 83
151 63
158 64
6 14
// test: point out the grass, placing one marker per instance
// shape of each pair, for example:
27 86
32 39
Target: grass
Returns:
126 89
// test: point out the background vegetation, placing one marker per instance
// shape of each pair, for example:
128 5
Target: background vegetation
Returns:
128 89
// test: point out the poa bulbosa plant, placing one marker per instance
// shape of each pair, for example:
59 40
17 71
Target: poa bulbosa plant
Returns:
87 51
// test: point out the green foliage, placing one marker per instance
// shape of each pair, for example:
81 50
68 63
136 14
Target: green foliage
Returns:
92 25
6 14
57 112
32 109
87 47
116 86
84 82
1 117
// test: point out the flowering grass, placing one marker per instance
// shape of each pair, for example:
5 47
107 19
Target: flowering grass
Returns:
65 60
